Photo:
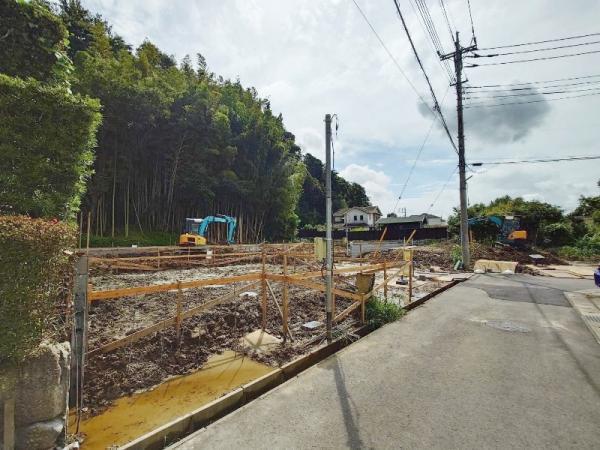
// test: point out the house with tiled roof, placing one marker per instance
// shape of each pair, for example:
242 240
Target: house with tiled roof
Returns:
356 217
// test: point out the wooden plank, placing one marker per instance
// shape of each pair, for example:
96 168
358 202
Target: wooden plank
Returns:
312 285
278 307
178 317
140 290
285 298
380 241
263 292
9 424
347 311
203 307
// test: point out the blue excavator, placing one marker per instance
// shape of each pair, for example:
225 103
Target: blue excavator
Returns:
195 229
509 229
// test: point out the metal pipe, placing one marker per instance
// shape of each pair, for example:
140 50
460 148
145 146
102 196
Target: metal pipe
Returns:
328 239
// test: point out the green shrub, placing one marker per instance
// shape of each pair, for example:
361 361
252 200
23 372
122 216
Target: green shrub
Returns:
46 141
557 234
34 42
35 278
588 247
380 312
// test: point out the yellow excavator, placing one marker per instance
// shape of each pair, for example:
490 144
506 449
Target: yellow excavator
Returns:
195 229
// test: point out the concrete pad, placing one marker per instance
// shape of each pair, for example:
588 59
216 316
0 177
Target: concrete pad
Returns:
260 341
488 265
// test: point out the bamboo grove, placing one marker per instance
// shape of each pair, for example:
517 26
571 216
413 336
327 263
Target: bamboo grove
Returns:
178 141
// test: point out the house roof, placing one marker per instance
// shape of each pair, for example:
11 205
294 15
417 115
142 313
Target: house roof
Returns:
408 219
366 209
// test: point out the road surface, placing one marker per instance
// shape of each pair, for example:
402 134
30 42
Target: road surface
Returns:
495 362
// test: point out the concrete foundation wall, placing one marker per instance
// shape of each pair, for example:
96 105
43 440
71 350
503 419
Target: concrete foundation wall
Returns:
41 394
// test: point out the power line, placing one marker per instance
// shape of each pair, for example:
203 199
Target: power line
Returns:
534 59
391 56
436 105
524 94
473 38
477 90
536 82
492 105
542 42
410 172
443 6
444 65
441 190
545 49
542 160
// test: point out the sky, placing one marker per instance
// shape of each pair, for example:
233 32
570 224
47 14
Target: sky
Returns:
311 57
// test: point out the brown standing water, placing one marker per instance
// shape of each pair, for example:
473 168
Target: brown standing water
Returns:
131 417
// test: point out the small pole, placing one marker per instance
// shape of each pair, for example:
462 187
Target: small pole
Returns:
385 286
87 237
9 424
328 213
158 254
285 300
80 227
178 319
410 278
263 292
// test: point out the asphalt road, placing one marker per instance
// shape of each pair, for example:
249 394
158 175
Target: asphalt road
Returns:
495 362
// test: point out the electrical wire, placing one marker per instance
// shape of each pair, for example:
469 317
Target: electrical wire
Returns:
535 50
473 38
437 197
391 56
535 161
525 94
537 82
443 64
448 22
542 42
410 172
436 105
533 59
493 105
475 90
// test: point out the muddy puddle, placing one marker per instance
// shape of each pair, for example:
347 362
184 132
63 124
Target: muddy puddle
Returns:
131 417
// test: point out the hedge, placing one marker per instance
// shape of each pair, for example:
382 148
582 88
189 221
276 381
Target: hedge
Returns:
46 139
35 281
34 41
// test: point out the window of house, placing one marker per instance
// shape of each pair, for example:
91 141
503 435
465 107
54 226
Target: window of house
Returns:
361 217
355 218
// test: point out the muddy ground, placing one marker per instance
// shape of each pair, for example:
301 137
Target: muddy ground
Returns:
157 357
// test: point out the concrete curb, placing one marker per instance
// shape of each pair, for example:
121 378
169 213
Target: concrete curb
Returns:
587 309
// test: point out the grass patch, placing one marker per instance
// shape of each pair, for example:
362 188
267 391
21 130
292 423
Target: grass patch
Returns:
380 312
141 240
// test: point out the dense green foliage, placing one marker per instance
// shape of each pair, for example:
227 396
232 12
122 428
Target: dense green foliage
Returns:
35 277
33 42
46 141
380 312
577 234
47 134
311 207
177 141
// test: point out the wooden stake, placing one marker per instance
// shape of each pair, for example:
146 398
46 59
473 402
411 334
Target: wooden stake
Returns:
87 238
385 286
158 259
9 424
285 300
263 292
178 317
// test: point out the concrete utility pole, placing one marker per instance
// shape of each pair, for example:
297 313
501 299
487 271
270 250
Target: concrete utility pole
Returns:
328 239
457 55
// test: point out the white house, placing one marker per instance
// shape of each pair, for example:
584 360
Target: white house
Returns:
356 217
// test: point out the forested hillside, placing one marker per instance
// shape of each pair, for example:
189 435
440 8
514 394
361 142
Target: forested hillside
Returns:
178 141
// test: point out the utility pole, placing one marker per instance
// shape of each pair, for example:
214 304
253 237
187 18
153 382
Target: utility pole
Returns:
457 55
328 240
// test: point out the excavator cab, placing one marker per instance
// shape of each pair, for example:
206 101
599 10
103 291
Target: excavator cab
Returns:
191 235
195 229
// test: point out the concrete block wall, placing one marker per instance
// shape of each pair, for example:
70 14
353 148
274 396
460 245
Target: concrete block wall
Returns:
41 398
